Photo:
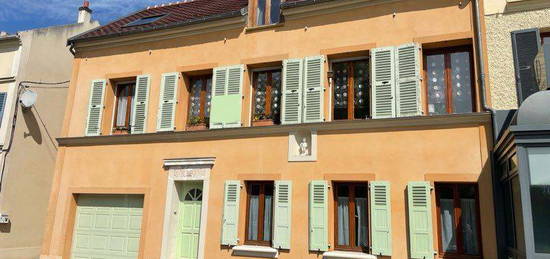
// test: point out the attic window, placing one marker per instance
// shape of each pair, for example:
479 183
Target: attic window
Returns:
145 20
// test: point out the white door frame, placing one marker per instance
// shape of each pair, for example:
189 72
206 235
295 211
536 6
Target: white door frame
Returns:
181 170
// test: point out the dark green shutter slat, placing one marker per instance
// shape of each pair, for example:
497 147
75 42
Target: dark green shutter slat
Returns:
526 45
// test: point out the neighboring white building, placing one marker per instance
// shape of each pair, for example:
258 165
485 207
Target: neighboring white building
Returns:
28 149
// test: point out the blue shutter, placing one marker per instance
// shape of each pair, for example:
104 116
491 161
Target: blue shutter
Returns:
3 96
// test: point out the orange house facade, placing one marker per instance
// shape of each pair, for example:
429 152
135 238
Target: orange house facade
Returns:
276 129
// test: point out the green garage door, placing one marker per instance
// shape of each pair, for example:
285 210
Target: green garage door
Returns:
107 226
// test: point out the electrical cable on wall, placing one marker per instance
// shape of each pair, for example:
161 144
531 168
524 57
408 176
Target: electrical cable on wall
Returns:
20 87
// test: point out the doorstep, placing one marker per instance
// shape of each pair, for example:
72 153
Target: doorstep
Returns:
256 251
347 255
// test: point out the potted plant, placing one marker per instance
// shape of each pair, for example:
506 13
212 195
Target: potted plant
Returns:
197 123
262 120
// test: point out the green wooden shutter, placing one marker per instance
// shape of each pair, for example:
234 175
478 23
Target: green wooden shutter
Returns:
292 91
318 216
420 220
230 222
95 108
408 80
168 100
227 99
313 89
380 209
139 118
383 83
282 214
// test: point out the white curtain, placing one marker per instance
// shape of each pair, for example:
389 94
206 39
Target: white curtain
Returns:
253 218
469 226
261 12
121 111
448 237
360 210
267 218
343 221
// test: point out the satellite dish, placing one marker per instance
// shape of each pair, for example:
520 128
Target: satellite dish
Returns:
28 98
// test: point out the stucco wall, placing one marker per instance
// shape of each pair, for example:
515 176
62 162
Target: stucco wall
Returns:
30 161
435 153
372 27
500 54
446 154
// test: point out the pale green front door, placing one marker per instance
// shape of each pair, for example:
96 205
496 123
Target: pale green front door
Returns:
107 227
189 220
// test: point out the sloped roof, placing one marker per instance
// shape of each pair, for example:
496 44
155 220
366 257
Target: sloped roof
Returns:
172 15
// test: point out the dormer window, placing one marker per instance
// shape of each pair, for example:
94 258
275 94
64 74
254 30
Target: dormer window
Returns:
267 12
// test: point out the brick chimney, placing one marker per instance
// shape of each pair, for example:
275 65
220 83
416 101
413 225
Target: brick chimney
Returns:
85 13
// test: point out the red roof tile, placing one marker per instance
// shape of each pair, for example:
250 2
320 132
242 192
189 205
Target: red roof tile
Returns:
175 14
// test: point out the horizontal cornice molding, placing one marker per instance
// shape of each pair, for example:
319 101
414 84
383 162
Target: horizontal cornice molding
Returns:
291 12
526 5
165 34
248 132
188 162
526 135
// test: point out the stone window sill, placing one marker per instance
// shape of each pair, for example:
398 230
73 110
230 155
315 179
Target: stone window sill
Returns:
255 251
262 27
347 255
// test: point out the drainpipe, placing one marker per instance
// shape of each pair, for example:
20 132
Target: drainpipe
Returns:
497 199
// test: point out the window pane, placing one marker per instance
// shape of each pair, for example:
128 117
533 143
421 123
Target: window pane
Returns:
468 219
447 216
361 222
275 11
253 217
518 214
124 92
121 111
340 90
508 212
343 221
437 85
260 101
268 207
276 96
260 11
461 82
194 111
539 162
343 215
361 82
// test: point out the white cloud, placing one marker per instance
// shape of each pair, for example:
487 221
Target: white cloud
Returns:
66 10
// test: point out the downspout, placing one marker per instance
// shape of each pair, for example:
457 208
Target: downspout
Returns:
498 210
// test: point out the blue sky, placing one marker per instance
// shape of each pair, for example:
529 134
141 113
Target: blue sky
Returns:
18 15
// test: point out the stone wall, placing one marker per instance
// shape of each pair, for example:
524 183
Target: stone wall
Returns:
500 54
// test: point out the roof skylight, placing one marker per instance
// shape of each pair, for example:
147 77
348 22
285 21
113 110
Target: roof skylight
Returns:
144 20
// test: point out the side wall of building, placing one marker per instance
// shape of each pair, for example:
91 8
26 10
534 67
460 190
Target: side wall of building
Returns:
31 158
